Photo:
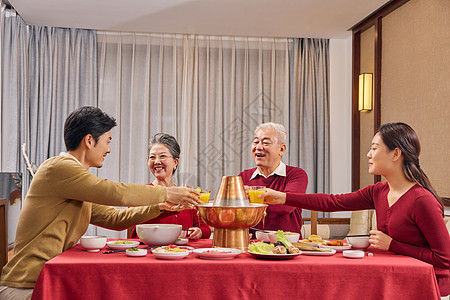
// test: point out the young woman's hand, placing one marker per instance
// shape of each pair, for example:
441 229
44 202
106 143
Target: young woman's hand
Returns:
273 197
379 240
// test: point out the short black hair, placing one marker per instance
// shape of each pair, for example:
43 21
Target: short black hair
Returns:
86 120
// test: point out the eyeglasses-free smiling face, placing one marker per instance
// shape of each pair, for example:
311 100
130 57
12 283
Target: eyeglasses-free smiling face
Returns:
98 151
266 150
161 162
380 157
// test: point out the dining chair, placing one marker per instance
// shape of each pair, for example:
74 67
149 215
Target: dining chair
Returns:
3 233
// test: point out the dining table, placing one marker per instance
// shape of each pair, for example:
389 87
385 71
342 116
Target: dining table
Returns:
78 274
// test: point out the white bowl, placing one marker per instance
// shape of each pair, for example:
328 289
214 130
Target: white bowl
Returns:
140 252
93 243
291 236
358 242
264 235
158 234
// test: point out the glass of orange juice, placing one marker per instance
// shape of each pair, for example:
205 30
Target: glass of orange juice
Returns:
197 188
204 195
254 192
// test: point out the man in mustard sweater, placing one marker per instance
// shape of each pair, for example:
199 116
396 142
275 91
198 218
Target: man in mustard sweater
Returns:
64 198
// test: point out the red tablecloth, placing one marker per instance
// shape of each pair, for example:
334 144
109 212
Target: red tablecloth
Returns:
77 274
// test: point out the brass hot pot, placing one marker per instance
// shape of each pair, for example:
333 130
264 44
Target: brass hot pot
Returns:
231 214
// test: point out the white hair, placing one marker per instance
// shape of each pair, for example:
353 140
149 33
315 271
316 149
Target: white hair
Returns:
281 131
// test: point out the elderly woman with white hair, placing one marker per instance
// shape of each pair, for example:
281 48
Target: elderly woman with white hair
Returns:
268 146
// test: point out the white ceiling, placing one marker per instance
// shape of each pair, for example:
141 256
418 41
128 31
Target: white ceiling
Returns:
267 18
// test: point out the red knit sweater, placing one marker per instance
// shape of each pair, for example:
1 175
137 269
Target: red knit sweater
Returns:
280 217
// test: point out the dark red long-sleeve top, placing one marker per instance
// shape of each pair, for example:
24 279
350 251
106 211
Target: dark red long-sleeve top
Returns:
414 222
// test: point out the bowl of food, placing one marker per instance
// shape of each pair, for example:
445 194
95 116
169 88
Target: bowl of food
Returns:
358 242
158 234
291 236
264 235
93 243
136 252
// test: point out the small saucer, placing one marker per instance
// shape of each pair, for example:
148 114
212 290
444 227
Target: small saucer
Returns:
353 253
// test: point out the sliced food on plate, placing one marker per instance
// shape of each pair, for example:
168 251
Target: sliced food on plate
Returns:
171 252
313 239
283 248
338 245
217 253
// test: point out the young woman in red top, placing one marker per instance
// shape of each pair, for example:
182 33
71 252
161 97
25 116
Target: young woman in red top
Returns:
163 157
409 211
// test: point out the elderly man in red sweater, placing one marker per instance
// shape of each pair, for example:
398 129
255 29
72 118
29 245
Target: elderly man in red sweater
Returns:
268 146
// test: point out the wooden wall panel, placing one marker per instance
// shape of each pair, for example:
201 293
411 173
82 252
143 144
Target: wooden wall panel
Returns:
367 65
415 81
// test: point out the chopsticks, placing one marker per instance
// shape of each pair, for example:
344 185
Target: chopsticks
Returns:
358 235
256 229
188 229
123 250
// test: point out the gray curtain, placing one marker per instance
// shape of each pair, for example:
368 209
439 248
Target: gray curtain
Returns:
47 73
14 91
309 112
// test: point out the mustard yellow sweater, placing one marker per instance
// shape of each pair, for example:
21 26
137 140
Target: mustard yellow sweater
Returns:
62 200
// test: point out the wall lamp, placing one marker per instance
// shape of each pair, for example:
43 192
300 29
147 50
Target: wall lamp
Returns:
365 92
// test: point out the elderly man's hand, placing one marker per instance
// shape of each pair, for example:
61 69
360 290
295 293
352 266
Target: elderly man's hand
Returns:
273 197
184 196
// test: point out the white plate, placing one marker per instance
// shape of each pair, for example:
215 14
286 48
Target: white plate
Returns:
310 244
217 253
331 252
122 246
274 256
141 252
171 255
337 248
353 253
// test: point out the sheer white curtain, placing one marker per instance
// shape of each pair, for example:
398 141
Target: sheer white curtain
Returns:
209 92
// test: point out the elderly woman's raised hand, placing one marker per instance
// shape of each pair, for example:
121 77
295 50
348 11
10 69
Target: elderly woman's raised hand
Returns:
171 207
273 197
184 196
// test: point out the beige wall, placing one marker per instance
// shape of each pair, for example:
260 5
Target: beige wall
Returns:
366 118
415 81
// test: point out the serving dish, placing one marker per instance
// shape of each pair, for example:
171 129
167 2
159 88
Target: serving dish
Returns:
171 255
275 256
217 253
319 253
345 246
129 244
